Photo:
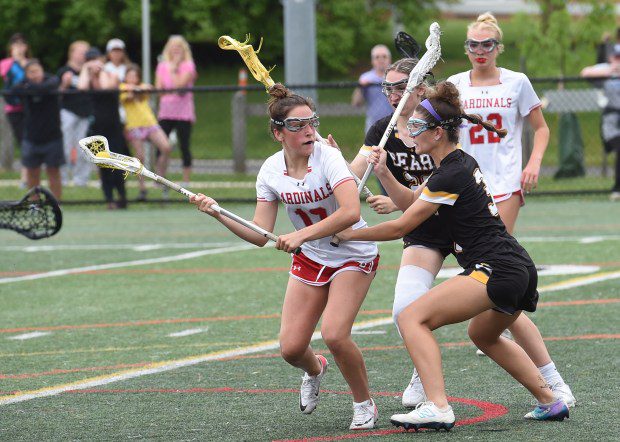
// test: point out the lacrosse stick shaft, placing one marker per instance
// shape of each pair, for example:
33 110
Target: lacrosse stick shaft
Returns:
174 186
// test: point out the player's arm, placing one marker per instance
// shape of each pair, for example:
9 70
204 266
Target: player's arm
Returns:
529 177
347 214
402 196
415 215
264 216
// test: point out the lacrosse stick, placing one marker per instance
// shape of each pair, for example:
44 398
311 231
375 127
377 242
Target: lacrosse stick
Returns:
36 216
98 151
424 65
407 45
261 74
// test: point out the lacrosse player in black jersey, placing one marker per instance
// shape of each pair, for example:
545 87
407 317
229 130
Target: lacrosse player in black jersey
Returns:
499 280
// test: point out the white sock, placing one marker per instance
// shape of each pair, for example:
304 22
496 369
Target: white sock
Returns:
366 402
550 373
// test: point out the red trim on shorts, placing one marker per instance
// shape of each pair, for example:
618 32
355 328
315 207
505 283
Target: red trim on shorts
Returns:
312 273
505 196
342 181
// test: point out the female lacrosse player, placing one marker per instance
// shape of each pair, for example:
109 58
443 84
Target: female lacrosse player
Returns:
312 180
499 279
426 247
140 124
505 98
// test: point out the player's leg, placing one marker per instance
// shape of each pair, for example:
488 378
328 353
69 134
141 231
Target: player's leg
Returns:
184 131
302 308
509 211
418 268
347 292
53 177
137 146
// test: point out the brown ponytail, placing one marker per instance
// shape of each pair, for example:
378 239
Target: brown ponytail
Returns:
280 103
488 125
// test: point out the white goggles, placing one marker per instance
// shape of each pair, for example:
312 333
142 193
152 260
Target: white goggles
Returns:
295 124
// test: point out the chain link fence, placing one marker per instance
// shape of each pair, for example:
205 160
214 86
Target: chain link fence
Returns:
230 134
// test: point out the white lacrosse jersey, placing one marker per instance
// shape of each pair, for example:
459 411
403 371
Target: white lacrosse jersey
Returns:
311 199
506 105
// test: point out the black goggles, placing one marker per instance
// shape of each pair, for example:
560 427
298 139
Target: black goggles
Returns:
486 45
396 87
294 124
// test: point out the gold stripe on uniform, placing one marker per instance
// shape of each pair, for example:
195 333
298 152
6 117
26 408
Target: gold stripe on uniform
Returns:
440 194
480 276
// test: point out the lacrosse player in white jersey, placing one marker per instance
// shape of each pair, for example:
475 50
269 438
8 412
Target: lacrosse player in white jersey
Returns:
505 98
320 195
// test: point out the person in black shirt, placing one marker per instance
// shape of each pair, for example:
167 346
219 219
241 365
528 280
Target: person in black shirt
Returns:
42 142
499 280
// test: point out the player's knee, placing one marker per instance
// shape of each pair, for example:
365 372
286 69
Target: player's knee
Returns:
334 339
411 284
292 351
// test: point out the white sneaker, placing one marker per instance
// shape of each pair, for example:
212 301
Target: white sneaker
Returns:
365 415
561 390
425 415
309 392
505 334
414 393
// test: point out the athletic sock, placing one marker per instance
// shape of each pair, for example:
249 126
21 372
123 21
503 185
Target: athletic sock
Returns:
550 373
366 402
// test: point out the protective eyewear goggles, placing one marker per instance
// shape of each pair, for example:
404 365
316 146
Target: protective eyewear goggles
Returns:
396 87
416 126
486 45
296 124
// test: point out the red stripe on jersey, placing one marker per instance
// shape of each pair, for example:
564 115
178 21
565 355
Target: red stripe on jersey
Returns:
342 181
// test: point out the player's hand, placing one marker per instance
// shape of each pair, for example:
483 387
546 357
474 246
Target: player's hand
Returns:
529 177
332 142
381 204
204 204
291 241
378 159
345 235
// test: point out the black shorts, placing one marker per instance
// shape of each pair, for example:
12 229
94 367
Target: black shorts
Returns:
430 234
511 287
34 154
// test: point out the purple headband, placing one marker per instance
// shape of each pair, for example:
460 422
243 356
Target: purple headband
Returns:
429 107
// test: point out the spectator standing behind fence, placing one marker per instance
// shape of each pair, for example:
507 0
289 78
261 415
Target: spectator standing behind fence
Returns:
42 141
117 63
141 124
76 115
176 110
12 71
369 90
610 120
106 122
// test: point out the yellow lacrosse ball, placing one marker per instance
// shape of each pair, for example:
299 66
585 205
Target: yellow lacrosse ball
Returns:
103 154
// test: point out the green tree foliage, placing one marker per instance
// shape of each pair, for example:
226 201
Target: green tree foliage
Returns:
557 44
346 30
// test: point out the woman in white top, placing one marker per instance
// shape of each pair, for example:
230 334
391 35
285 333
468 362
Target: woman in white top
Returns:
312 180
506 99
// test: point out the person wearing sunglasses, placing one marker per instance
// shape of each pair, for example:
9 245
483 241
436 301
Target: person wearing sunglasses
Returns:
499 280
319 193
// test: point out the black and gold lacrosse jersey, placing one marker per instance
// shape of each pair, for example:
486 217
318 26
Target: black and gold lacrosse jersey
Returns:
470 215
410 169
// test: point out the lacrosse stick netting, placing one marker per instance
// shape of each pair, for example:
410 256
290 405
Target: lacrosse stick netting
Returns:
98 151
36 216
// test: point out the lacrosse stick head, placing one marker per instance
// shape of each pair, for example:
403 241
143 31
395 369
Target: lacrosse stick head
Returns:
97 151
248 54
36 216
406 45
429 59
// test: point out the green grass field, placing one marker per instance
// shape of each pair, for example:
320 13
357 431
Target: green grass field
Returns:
159 324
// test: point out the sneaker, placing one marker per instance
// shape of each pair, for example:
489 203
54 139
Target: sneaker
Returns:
425 415
309 392
365 415
561 390
555 411
505 334
414 393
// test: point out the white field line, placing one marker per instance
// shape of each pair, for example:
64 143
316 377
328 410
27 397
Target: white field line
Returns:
160 367
188 332
580 281
139 262
31 335
368 332
135 247
550 270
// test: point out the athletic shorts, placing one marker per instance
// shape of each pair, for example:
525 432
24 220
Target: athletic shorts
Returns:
141 133
511 287
35 154
312 273
505 196
445 251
